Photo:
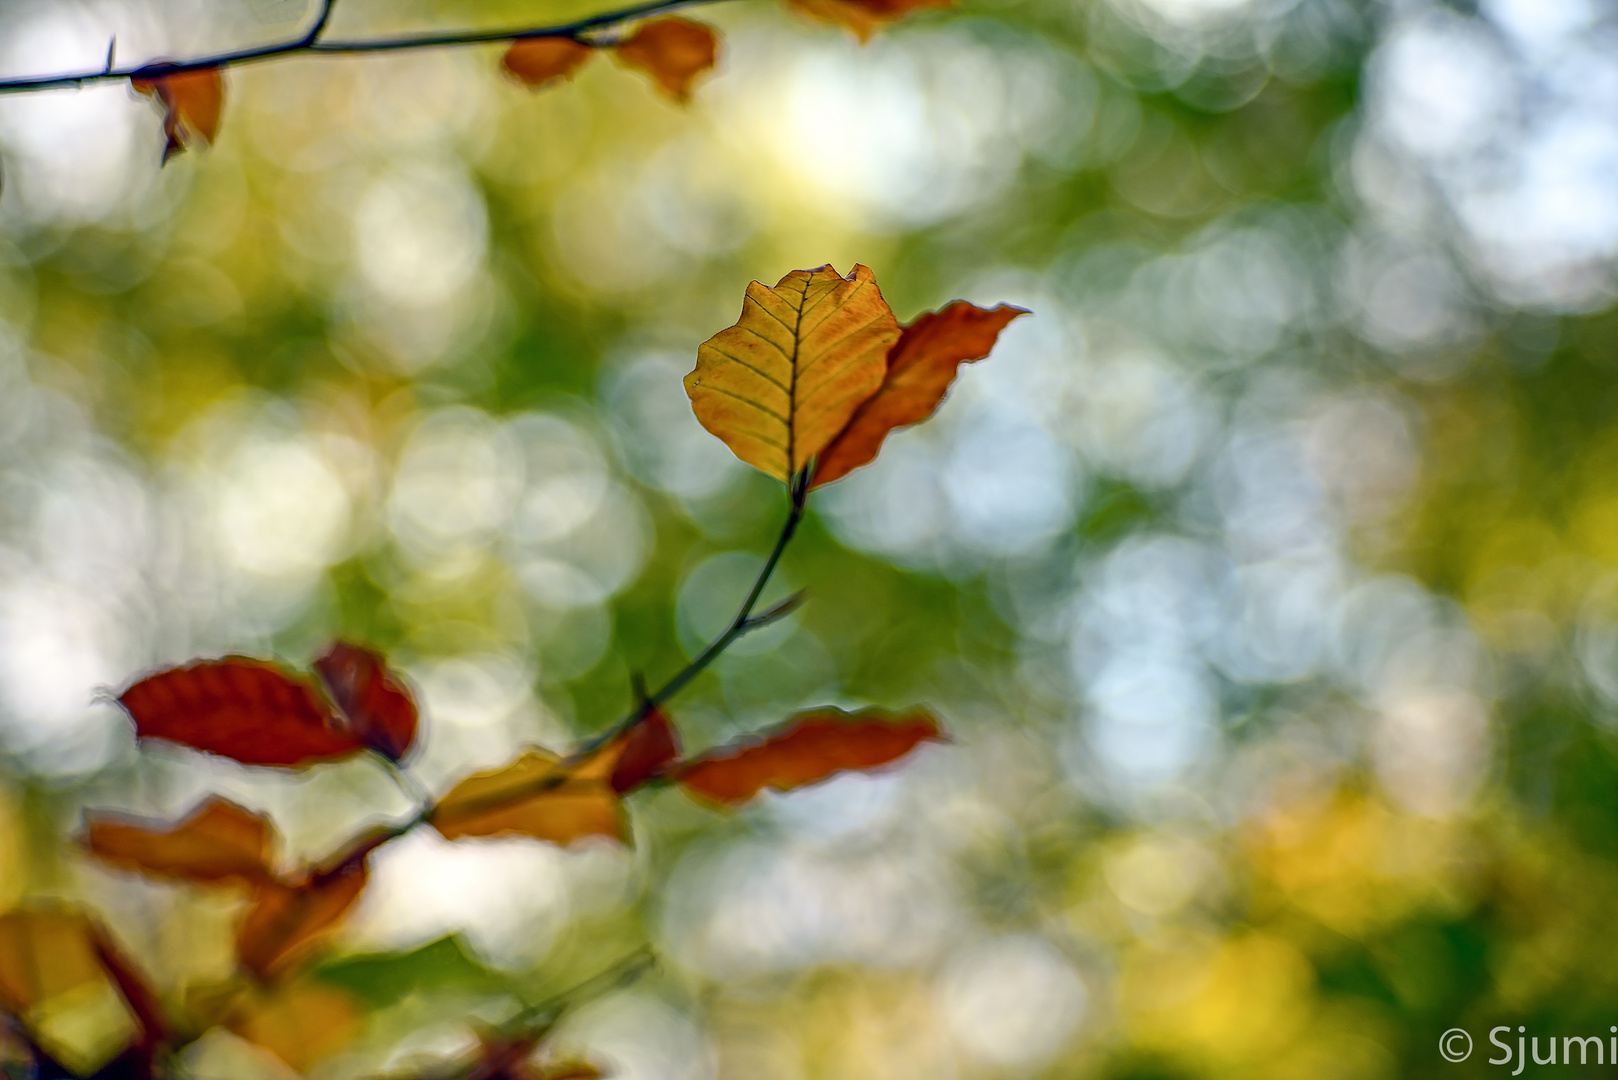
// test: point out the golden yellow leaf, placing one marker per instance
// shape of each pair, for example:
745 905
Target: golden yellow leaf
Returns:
52 979
299 1022
218 841
12 879
537 795
780 384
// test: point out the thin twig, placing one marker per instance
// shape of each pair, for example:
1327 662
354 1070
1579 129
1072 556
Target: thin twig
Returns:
611 977
744 622
740 624
778 612
310 42
412 788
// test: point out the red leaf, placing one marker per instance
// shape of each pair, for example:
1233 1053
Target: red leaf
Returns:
921 366
193 103
807 749
378 708
638 754
673 51
536 61
240 708
218 841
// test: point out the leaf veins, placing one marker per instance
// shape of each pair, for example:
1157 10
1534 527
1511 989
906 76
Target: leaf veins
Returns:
779 385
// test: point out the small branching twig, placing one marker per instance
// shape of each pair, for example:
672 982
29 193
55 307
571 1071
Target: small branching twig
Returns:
744 622
312 41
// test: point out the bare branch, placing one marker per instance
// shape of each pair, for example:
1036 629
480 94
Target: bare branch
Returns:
311 41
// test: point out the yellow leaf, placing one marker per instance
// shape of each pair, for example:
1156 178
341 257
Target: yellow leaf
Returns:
52 979
299 1022
12 870
537 795
780 384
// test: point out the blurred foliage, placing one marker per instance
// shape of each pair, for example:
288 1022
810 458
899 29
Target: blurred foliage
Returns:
1265 578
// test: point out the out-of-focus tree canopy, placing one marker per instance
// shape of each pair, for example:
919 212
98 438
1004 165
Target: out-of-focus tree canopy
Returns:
1266 578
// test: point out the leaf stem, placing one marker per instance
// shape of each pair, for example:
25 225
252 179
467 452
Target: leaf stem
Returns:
312 42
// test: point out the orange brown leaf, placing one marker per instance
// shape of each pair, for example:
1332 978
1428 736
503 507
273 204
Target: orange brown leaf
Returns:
809 748
536 61
673 51
537 795
239 708
921 367
299 1022
377 707
193 102
218 841
779 385
863 17
288 919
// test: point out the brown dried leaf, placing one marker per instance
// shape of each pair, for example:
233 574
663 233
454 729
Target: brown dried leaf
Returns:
375 704
864 17
779 385
218 841
289 919
193 103
537 795
673 51
537 61
921 367
240 708
807 749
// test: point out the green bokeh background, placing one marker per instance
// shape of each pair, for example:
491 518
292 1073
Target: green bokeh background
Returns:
1264 577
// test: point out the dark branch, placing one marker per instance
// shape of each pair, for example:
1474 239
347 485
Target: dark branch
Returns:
744 621
311 42
741 624
778 612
